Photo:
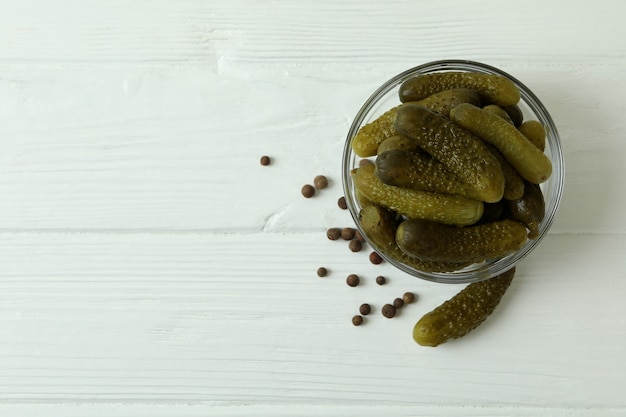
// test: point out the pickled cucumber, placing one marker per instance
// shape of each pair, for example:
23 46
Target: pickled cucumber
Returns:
443 101
379 225
431 241
495 109
462 153
534 132
462 313
495 88
513 183
529 210
398 142
365 143
528 161
414 204
515 113
420 171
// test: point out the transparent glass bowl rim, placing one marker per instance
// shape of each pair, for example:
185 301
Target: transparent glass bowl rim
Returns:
552 188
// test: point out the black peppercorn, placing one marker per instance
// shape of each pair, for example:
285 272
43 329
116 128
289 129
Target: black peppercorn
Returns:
308 191
355 245
334 233
388 311
347 233
408 297
375 258
320 182
353 280
365 309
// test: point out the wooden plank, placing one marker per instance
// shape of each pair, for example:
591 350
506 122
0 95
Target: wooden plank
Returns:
126 149
237 35
277 410
240 319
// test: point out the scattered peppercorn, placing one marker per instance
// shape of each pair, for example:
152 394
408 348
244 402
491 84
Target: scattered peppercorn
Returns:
375 258
355 245
308 191
334 233
322 272
342 203
353 280
380 280
357 320
365 309
408 297
398 303
364 162
320 182
347 233
265 160
388 311
358 236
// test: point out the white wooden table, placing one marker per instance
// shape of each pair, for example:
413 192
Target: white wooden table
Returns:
150 266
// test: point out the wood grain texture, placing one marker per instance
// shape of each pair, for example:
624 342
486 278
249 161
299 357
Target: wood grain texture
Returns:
150 266
182 318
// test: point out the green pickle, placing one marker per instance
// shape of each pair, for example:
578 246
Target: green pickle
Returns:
494 88
529 210
530 163
415 204
431 241
495 109
515 113
462 313
398 143
420 171
461 152
379 225
513 183
534 132
365 143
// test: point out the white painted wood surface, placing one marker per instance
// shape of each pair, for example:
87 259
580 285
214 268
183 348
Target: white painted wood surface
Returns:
149 266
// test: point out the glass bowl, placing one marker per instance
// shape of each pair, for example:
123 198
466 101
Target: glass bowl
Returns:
386 97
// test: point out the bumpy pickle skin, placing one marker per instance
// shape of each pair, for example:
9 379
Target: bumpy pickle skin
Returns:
398 143
494 88
495 109
513 183
379 226
414 204
431 241
528 161
534 132
529 209
365 143
443 101
420 171
461 152
462 313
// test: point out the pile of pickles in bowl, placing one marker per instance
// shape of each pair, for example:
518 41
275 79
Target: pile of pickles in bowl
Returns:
453 171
